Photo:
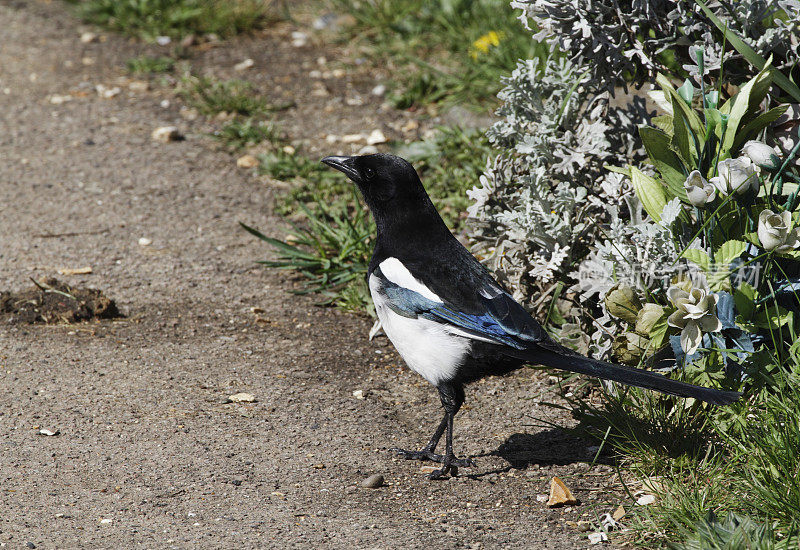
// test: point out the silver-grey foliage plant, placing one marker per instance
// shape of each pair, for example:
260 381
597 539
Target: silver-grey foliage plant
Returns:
546 205
613 39
533 211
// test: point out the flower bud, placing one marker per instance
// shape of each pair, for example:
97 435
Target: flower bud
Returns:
775 231
647 317
698 190
629 347
762 154
622 303
735 176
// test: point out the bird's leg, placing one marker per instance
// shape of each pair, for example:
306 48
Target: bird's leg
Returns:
452 396
427 452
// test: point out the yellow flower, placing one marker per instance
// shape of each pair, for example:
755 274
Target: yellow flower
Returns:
484 43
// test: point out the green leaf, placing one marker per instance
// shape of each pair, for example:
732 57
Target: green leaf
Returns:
714 122
757 124
624 170
658 333
698 257
744 297
750 54
669 164
664 123
681 136
694 121
772 317
728 251
747 100
650 192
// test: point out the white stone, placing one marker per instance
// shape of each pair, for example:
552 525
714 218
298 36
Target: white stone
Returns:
165 134
376 137
244 65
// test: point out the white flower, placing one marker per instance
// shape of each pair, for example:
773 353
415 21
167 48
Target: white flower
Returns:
775 231
699 191
695 313
735 175
762 154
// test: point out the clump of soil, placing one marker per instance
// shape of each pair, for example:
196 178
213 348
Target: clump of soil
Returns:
51 301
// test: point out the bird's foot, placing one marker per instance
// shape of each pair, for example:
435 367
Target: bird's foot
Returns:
450 464
424 454
449 468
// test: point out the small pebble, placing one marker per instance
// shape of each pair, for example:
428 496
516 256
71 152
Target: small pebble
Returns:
379 90
106 521
144 241
165 134
49 433
89 37
597 538
60 99
30 544
358 394
352 138
376 137
107 93
368 150
299 39
163 40
188 41
646 500
247 161
244 65
373 482
241 397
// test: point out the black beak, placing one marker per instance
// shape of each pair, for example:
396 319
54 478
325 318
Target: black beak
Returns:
343 164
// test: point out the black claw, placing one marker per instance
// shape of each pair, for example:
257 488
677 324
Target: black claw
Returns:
418 455
440 474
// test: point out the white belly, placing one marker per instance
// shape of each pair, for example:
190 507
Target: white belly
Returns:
426 346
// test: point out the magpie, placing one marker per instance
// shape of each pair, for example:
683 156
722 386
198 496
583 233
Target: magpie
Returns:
448 318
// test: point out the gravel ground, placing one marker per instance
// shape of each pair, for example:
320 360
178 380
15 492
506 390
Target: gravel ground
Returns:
148 453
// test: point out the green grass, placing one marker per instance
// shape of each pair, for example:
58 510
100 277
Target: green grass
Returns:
146 65
175 18
441 50
211 96
238 134
330 251
729 476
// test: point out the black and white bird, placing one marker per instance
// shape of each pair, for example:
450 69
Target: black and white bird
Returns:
448 318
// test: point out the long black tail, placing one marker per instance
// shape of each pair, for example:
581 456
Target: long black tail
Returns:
571 361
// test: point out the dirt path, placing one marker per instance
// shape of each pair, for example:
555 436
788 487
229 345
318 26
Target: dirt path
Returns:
148 452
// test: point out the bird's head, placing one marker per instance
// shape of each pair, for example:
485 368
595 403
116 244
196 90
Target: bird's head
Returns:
393 192
383 179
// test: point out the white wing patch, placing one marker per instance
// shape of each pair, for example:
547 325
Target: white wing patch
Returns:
394 270
429 348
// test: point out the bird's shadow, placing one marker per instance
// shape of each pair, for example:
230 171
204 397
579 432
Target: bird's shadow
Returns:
551 447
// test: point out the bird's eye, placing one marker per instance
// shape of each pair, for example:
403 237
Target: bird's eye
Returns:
369 173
